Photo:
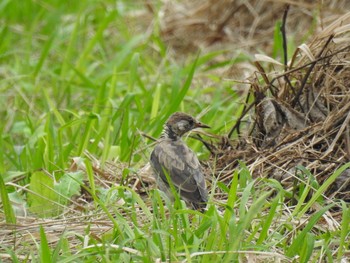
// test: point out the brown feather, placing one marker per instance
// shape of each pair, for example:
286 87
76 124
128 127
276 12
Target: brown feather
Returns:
172 157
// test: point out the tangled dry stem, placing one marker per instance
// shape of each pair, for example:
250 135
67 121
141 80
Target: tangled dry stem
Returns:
301 116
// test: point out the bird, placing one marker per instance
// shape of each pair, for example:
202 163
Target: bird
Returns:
171 159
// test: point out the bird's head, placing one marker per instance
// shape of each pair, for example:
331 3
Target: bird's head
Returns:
179 123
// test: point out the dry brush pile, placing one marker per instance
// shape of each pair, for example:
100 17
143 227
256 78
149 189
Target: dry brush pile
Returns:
299 115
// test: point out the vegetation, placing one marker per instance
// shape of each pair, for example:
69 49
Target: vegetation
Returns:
80 82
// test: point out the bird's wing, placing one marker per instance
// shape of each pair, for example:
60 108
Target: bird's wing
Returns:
182 166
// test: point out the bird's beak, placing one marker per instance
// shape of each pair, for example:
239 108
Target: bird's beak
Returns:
201 125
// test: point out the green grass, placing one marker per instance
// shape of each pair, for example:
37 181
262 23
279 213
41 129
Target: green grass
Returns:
82 79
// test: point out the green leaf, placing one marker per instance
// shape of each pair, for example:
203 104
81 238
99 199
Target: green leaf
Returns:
8 210
134 65
344 231
180 96
277 40
42 197
245 197
91 178
269 218
156 102
307 248
68 185
244 224
323 188
232 196
44 55
45 253
298 243
94 40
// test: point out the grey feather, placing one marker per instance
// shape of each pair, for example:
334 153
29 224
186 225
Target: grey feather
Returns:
182 166
172 160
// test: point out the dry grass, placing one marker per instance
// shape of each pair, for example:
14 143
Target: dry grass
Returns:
188 26
300 117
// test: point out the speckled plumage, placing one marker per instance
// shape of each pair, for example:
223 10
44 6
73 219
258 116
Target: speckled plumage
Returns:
172 157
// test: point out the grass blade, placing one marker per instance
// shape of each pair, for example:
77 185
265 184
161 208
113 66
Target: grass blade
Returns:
9 214
344 231
298 242
45 253
323 188
180 96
